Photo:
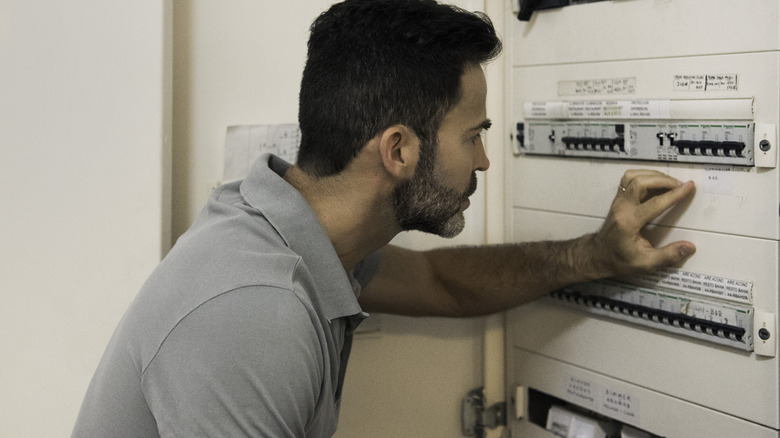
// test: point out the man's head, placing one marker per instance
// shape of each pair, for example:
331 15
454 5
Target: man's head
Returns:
376 63
434 198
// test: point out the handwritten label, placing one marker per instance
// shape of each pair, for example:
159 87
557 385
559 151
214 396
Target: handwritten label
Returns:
597 87
705 82
710 312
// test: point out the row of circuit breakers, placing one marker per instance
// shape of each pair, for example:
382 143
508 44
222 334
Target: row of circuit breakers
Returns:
713 142
722 323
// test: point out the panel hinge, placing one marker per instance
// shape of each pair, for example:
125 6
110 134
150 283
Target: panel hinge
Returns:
475 417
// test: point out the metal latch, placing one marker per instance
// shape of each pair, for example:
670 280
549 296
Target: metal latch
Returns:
475 417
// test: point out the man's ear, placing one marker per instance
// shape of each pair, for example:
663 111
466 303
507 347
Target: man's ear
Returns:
399 148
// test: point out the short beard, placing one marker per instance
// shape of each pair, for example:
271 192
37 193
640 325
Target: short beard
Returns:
426 205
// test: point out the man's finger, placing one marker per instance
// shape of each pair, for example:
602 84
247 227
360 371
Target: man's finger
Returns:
673 254
655 205
640 185
630 175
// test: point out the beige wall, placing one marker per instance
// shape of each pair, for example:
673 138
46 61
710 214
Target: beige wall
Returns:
84 131
236 62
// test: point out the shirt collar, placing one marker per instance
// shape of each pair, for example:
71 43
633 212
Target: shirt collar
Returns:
289 213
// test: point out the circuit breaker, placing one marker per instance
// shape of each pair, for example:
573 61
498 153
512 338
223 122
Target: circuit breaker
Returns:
691 89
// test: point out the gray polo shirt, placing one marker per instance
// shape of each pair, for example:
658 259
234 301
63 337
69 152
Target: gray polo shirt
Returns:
243 330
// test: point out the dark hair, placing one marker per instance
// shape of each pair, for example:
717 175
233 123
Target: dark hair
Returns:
376 63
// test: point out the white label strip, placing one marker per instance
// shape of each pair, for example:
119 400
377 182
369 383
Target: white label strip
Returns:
608 109
740 291
683 109
546 110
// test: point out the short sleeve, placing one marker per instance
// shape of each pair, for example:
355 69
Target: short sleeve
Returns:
246 363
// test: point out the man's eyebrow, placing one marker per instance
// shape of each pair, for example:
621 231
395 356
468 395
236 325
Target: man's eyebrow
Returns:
483 126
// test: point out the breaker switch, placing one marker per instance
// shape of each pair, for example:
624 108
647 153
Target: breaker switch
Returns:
733 149
711 148
707 147
620 144
616 144
685 147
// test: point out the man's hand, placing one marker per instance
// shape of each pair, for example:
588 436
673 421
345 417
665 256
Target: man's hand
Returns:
619 247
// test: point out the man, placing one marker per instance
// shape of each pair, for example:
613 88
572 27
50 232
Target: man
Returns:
245 328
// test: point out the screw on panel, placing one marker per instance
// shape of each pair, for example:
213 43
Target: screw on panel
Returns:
764 145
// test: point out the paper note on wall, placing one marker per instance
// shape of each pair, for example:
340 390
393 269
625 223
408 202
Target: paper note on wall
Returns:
245 143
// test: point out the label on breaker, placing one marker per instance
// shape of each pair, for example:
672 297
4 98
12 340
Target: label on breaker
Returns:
740 291
598 109
612 402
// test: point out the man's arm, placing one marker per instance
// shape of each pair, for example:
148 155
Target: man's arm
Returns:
478 280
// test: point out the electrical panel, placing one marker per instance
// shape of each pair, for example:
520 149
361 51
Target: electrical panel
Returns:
729 142
691 89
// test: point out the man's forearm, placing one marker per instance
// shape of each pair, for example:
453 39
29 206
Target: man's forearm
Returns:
488 279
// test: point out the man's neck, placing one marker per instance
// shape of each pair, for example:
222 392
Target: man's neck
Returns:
355 211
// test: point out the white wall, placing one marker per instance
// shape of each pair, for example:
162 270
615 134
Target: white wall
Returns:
83 156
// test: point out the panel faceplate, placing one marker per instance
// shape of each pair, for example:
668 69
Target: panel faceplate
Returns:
711 142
